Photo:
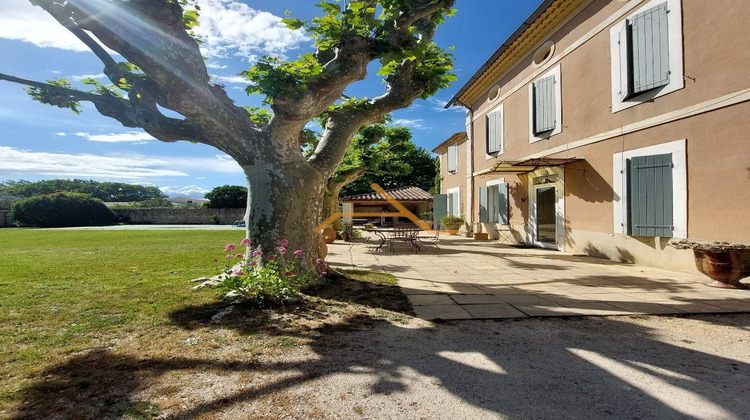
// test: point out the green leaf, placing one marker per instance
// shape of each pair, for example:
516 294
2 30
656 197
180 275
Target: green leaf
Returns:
293 23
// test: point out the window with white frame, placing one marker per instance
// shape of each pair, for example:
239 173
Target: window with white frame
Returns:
454 201
494 135
493 202
650 191
646 50
545 105
452 157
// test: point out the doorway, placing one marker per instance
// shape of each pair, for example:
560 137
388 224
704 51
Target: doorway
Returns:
546 219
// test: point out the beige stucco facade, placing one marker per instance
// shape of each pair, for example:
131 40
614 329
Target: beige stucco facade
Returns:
700 119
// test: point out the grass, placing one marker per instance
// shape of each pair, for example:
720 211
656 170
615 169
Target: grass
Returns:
77 305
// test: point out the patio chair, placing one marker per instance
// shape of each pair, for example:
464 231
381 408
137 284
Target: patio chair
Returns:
371 245
405 233
429 239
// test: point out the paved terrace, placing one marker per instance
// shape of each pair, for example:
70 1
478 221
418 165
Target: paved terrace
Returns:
466 279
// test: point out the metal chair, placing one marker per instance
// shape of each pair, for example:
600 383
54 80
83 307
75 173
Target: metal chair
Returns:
429 239
406 233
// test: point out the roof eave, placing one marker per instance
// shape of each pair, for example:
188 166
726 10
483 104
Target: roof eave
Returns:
455 100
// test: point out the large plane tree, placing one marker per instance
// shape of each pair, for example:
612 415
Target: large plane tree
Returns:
164 69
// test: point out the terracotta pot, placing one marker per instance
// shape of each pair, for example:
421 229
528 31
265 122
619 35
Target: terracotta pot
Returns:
323 248
329 234
725 266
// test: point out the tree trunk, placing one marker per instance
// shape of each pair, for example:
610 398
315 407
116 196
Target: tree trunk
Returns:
331 203
284 202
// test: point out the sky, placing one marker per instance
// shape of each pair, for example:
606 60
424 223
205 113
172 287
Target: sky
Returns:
39 141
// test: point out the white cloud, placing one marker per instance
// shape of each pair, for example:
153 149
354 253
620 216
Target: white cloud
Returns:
415 124
186 191
24 22
80 77
439 105
227 27
232 28
212 65
230 79
137 137
17 163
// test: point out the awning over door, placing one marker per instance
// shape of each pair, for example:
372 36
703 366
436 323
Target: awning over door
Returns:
528 165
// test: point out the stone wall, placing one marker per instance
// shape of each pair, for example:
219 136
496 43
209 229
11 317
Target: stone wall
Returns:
180 216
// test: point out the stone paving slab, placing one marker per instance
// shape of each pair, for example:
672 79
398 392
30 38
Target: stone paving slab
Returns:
468 280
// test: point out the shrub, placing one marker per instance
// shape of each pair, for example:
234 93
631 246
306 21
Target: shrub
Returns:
60 210
266 280
452 220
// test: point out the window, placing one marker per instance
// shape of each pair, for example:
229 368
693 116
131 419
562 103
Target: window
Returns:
454 201
493 203
646 53
543 53
650 191
650 211
494 133
453 158
545 106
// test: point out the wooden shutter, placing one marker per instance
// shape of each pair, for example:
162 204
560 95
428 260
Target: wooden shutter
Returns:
455 205
484 212
439 209
494 132
650 51
650 196
544 105
502 204
453 158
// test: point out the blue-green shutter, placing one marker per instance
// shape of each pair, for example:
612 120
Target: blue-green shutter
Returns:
494 132
650 48
502 204
484 212
439 209
455 206
650 196
544 104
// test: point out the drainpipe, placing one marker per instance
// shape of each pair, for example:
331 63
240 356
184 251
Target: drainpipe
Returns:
469 162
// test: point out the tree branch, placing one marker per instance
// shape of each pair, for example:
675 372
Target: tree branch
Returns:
58 12
129 114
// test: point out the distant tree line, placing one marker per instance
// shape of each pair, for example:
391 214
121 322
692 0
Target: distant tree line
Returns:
105 191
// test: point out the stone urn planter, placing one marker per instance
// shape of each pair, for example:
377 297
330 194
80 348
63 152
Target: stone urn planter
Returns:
452 223
724 263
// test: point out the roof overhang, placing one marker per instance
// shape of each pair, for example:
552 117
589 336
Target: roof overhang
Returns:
528 165
532 32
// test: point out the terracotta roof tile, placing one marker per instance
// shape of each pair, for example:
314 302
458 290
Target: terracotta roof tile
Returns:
400 194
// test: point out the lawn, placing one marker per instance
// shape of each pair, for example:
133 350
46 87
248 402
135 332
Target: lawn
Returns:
81 311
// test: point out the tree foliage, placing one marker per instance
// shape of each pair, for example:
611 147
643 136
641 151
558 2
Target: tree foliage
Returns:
60 210
412 168
227 197
163 69
105 191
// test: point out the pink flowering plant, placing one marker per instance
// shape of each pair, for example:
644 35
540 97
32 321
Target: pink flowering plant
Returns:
272 278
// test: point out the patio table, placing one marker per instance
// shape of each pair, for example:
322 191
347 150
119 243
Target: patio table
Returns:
392 235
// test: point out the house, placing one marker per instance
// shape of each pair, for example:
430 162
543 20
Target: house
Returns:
453 154
608 128
356 207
